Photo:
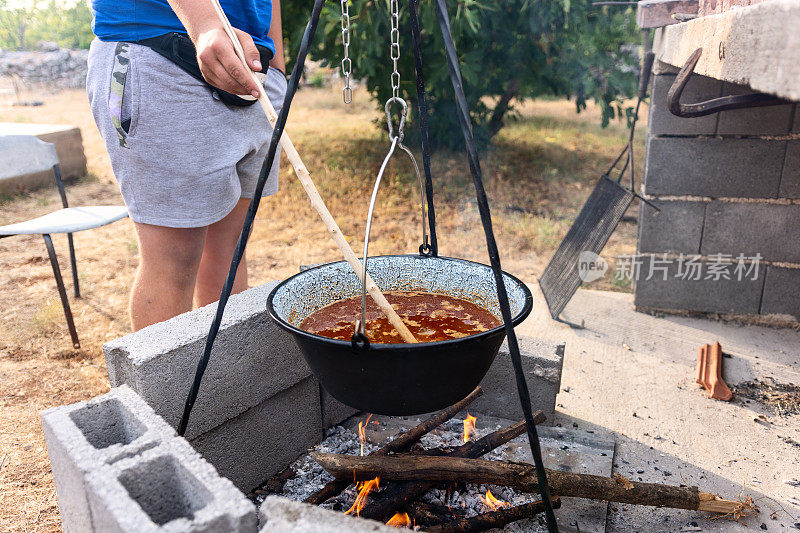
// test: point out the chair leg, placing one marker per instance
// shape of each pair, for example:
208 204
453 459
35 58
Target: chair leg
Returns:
74 266
62 291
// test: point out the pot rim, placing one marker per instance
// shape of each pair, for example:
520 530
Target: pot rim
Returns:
527 307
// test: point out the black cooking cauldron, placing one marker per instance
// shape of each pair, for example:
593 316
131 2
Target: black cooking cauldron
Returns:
398 379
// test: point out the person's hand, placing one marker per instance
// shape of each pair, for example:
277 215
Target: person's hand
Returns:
221 66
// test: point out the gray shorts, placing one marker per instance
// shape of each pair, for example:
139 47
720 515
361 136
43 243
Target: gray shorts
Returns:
182 157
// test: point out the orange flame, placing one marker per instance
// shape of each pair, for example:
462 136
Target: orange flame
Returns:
469 427
399 520
363 491
493 503
362 433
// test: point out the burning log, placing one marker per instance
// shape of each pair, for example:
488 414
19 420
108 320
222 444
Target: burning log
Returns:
402 443
399 495
429 514
493 519
428 471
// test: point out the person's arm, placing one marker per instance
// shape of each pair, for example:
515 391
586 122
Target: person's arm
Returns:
276 34
218 60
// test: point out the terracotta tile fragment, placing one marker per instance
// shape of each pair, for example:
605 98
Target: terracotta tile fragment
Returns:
709 372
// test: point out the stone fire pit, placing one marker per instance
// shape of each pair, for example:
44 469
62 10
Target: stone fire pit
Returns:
119 465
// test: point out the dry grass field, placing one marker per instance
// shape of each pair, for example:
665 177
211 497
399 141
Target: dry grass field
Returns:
538 173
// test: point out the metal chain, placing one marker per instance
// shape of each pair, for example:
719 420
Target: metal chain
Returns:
347 65
394 49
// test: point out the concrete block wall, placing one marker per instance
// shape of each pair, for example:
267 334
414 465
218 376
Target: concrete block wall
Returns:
118 466
727 183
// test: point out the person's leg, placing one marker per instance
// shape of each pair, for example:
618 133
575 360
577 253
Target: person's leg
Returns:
220 244
165 280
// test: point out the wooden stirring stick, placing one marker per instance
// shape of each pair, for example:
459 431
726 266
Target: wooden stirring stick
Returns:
311 190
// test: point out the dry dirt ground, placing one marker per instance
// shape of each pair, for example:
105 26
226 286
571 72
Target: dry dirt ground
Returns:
538 173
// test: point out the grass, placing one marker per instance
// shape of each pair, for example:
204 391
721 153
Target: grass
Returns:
538 173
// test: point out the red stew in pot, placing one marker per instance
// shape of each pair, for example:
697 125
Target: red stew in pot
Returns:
429 316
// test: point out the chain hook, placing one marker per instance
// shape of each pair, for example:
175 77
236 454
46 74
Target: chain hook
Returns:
403 114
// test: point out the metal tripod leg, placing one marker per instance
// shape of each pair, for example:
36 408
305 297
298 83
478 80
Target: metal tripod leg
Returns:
62 291
74 265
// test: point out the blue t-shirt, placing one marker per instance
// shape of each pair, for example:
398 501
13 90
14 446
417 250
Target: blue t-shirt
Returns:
133 20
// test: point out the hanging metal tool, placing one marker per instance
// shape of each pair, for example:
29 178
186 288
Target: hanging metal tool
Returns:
396 140
715 105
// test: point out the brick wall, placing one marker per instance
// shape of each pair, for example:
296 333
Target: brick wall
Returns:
728 189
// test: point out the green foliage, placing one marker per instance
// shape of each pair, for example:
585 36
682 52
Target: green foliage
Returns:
22 28
517 48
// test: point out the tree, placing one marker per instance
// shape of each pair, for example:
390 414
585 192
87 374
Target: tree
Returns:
14 24
68 24
509 50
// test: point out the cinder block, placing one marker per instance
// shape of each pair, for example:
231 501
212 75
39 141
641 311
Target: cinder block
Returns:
282 515
83 436
703 295
790 179
265 439
774 120
750 228
69 147
333 411
252 360
662 122
167 488
542 361
657 13
719 168
676 228
781 292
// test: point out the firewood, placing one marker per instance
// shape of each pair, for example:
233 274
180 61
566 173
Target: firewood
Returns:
521 476
398 495
428 514
274 485
401 443
493 519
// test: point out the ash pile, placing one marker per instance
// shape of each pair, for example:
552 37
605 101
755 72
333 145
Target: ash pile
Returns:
51 65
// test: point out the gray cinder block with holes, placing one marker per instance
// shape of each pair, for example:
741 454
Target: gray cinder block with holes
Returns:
84 436
167 488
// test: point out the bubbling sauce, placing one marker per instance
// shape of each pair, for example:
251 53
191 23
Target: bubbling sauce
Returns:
429 316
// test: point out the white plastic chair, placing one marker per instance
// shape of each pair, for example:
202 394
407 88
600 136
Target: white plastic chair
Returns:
27 154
